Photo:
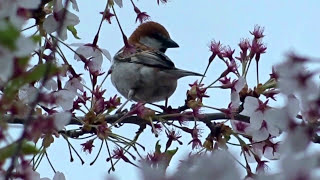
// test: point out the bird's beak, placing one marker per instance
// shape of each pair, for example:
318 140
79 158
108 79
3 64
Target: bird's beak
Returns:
169 43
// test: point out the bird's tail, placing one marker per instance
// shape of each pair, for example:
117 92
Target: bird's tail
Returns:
178 73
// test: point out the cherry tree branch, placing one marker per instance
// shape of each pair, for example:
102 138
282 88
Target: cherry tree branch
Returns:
138 121
205 118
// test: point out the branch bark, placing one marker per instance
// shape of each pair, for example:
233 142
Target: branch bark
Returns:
138 121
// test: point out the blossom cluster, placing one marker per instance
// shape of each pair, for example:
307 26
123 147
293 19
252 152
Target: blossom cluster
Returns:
41 89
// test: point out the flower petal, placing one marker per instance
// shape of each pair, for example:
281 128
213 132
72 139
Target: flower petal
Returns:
61 119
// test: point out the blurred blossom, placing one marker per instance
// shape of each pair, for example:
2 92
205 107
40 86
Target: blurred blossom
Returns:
9 10
282 117
6 68
295 75
27 93
219 165
297 167
74 84
51 85
258 32
296 140
64 98
61 119
22 47
59 176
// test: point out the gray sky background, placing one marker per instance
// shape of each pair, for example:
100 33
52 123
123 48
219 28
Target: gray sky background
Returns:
290 25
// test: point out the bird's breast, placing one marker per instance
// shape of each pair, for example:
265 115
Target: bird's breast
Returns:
150 84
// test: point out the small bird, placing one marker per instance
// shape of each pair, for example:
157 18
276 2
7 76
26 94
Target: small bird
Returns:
147 75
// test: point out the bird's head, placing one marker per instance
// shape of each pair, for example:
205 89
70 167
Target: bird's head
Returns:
152 35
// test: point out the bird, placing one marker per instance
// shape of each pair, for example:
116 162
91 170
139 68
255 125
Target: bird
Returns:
147 75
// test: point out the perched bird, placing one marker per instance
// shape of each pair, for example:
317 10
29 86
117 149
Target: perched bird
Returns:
147 74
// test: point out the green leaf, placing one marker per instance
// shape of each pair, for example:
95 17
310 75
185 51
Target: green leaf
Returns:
28 148
12 88
8 36
168 156
23 62
74 32
157 148
9 151
171 153
36 38
40 71
35 74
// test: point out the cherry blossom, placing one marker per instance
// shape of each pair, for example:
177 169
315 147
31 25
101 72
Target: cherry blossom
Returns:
217 49
60 96
36 176
64 98
294 74
296 168
93 54
74 5
235 97
23 47
53 22
119 3
6 68
296 140
281 117
219 165
51 85
61 119
74 84
27 93
268 149
9 8
59 176
260 127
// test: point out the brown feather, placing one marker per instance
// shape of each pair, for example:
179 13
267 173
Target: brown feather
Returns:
147 29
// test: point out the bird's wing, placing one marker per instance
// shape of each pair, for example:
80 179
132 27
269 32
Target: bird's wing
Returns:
149 58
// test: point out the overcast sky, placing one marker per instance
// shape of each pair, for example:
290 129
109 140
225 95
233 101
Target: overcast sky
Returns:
290 25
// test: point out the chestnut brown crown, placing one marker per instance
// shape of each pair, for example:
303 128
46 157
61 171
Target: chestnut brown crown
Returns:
152 35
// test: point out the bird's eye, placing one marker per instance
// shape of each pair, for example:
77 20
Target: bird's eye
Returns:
158 36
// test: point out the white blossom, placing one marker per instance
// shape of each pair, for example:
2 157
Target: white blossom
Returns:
52 23
27 93
235 98
74 84
93 54
119 3
61 119
51 85
260 126
64 98
6 68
